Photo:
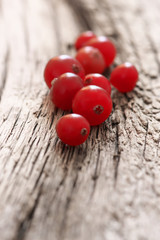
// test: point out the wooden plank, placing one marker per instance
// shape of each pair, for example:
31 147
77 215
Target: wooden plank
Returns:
109 187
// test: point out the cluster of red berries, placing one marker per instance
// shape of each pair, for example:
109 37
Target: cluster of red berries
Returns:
78 84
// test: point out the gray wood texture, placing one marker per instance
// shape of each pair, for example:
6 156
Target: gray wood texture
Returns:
109 187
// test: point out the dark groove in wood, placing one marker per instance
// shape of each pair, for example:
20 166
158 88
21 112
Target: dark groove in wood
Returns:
25 224
5 72
117 156
82 13
66 208
145 140
14 125
41 172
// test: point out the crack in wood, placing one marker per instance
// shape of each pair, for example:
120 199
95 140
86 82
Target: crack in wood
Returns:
14 125
33 131
145 140
23 126
41 172
16 163
97 131
27 154
5 72
26 222
52 120
82 13
66 208
116 157
96 174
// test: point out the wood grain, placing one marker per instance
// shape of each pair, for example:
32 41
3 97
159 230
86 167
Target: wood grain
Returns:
109 187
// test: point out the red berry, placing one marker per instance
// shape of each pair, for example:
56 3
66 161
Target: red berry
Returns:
62 64
98 80
91 59
94 103
105 46
83 38
64 89
73 129
124 77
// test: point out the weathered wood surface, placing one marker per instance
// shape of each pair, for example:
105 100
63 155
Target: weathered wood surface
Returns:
108 188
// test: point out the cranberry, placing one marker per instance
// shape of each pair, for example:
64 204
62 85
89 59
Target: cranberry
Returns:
91 59
73 129
105 46
98 80
62 64
124 77
83 38
94 103
64 89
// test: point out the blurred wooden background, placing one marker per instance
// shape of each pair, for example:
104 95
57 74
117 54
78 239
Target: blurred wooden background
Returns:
109 187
